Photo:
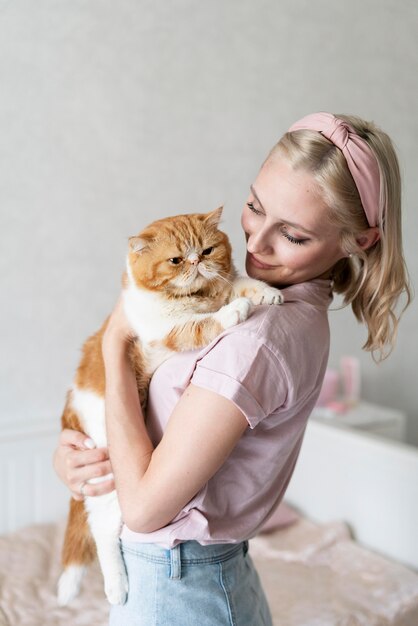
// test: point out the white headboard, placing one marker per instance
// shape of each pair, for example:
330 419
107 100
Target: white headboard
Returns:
30 491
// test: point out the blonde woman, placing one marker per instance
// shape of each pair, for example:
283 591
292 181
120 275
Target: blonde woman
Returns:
225 424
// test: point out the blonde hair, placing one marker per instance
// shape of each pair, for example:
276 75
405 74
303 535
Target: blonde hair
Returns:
371 280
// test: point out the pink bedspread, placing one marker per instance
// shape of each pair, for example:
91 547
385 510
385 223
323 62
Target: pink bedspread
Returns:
314 575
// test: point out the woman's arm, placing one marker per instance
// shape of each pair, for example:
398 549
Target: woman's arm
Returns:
154 484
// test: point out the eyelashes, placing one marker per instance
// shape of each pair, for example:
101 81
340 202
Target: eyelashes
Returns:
283 231
298 242
253 209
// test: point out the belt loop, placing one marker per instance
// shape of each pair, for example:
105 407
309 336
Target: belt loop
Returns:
245 547
175 562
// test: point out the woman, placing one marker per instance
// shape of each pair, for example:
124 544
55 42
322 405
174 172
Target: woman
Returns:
225 424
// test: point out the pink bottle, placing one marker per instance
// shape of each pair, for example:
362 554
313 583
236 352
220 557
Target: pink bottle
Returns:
329 390
350 379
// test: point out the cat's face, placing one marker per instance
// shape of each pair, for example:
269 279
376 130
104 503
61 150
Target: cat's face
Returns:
181 255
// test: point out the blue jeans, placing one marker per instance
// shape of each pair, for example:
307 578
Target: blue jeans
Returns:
191 585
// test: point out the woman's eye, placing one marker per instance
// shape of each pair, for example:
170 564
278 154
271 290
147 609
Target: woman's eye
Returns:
176 260
252 208
299 242
207 251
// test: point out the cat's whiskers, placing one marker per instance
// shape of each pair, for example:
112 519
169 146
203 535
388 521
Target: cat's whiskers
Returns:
218 275
210 274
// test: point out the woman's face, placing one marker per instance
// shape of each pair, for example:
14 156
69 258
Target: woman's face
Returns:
289 238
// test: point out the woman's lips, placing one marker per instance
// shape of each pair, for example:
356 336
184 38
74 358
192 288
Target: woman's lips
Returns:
258 263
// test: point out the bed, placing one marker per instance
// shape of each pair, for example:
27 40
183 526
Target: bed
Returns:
314 575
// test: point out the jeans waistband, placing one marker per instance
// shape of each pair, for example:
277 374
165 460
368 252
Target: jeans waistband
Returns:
186 553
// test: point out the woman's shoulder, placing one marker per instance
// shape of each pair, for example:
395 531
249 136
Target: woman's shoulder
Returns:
274 337
316 293
304 310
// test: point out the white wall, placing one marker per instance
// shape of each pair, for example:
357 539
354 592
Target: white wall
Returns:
116 113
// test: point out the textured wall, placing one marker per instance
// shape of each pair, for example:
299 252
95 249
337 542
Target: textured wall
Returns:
113 114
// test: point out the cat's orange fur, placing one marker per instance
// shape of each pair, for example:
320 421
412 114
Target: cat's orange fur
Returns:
202 283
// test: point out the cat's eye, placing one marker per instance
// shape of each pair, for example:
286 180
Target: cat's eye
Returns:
207 251
176 260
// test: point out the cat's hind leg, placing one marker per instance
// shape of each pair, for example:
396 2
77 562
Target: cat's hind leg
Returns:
78 552
105 522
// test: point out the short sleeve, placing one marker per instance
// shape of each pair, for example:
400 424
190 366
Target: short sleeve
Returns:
241 368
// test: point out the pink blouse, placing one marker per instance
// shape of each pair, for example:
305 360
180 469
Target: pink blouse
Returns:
271 366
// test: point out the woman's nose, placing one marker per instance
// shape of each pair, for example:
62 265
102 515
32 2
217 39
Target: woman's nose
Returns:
259 242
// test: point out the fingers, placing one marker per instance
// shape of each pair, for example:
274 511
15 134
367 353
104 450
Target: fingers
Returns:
99 489
77 496
90 472
80 458
77 461
86 473
76 439
118 330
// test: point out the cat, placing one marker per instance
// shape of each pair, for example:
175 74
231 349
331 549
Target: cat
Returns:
180 291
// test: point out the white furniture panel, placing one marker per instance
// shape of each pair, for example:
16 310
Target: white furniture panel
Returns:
365 480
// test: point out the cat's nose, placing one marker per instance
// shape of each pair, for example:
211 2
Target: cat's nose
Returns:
193 258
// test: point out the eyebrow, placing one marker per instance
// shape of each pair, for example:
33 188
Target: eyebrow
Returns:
298 226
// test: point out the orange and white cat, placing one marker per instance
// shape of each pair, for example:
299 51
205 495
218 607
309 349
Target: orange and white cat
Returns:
180 290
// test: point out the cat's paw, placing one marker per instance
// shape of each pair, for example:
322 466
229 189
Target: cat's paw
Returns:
116 589
233 313
257 291
266 295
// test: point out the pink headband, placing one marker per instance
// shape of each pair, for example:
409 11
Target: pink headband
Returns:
360 159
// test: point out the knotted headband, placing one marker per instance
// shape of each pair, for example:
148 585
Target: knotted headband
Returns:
360 159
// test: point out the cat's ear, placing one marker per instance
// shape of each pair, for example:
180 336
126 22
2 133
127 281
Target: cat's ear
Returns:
143 241
137 244
213 218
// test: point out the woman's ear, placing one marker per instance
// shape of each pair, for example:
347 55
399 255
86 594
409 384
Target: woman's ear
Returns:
367 238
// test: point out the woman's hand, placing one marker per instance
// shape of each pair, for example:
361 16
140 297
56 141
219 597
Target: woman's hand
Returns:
77 461
118 332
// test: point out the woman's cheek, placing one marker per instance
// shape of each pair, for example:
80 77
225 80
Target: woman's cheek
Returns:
295 256
245 221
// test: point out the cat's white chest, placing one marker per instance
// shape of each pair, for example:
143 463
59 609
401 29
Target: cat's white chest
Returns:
150 315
